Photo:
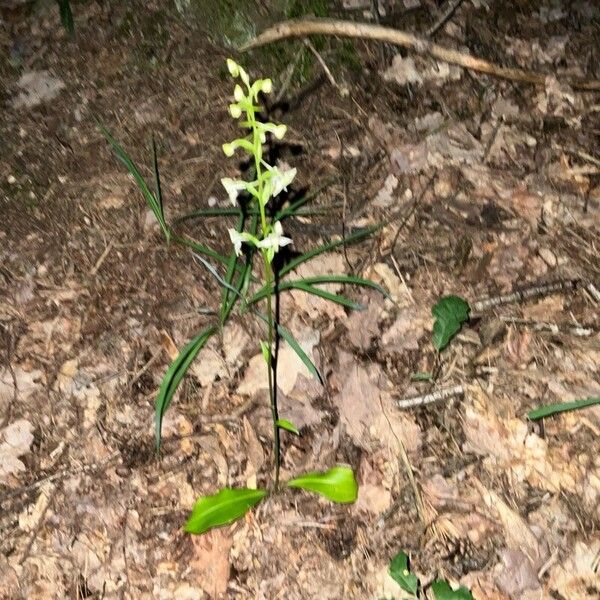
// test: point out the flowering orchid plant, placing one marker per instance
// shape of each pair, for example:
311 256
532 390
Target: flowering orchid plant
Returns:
264 237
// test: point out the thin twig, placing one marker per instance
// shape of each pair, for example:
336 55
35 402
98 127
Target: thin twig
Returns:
304 27
593 291
551 327
437 396
323 64
444 18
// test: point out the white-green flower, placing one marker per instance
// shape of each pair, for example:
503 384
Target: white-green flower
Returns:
280 180
238 238
238 93
274 240
233 187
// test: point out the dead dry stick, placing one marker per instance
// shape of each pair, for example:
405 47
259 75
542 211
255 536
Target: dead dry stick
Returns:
296 28
437 396
529 293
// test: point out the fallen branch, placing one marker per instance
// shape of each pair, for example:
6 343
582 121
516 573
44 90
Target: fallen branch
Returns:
437 396
529 293
304 27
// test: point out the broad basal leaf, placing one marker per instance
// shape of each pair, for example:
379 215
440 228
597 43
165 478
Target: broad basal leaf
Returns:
400 573
225 507
338 484
442 591
450 313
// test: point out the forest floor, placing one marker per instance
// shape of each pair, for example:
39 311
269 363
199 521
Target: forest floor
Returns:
489 187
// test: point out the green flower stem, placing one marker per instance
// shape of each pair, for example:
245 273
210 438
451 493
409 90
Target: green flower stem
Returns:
269 284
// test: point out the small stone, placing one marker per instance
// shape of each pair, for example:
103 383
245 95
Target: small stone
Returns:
11 179
548 257
442 188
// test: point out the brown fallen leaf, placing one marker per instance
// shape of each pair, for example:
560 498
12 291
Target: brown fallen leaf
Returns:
577 577
210 560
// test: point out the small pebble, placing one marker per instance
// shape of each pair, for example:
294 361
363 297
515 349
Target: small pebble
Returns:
548 257
11 179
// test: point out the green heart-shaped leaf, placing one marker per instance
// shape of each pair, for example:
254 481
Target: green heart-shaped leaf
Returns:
450 313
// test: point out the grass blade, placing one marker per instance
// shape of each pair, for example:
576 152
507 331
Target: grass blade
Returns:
215 274
159 197
553 409
350 239
335 298
291 340
175 374
66 16
320 279
150 198
201 249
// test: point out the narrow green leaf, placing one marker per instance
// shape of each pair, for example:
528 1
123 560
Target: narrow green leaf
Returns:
264 348
295 346
294 208
201 249
401 574
318 280
450 313
66 16
552 409
421 376
287 425
442 591
216 275
175 374
158 196
233 211
223 508
211 212
338 484
151 200
350 239
335 298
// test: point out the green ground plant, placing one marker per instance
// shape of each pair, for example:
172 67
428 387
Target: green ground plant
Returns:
257 237
400 572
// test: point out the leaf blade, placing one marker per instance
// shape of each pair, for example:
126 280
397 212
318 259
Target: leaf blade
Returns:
295 346
228 505
150 198
442 591
338 484
288 426
351 239
450 313
401 574
175 374
553 409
